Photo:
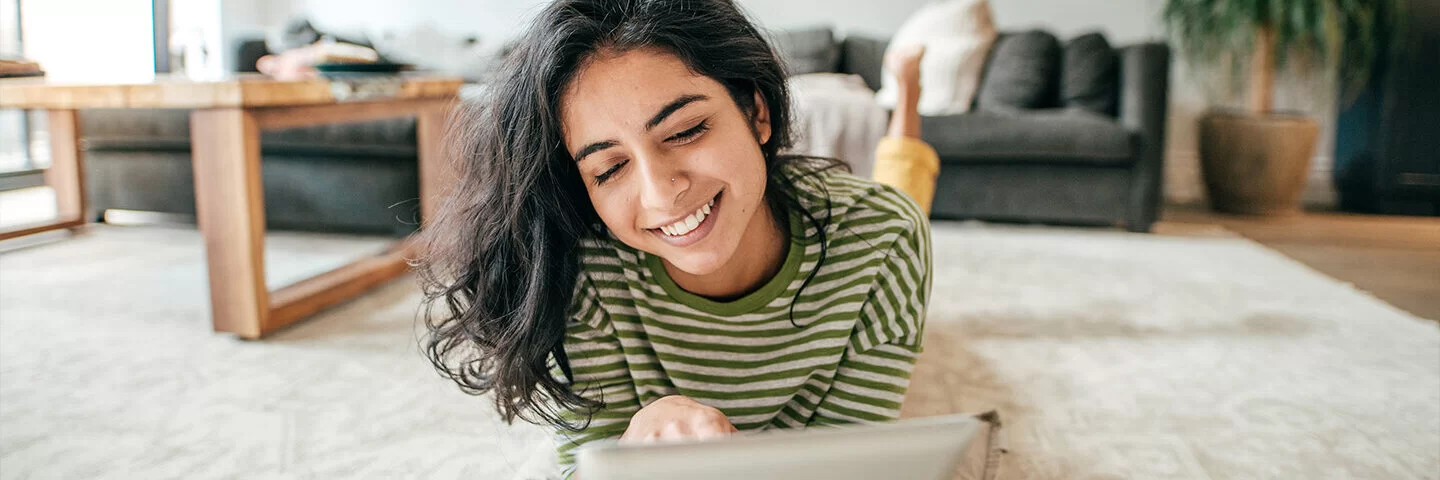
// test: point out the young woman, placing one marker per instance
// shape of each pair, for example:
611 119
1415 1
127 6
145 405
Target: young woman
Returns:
630 254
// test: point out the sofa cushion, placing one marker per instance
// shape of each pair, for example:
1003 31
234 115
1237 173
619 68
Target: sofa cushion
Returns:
863 56
1070 136
1023 72
1090 75
808 50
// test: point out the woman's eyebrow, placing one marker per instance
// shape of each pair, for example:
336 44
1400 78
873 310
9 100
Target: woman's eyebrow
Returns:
592 148
664 113
671 107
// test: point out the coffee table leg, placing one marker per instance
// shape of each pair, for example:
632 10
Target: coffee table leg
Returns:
436 173
67 164
230 208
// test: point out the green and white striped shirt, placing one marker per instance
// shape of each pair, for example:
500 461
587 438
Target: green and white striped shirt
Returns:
634 336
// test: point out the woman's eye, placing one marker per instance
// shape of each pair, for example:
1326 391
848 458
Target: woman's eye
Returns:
603 176
691 133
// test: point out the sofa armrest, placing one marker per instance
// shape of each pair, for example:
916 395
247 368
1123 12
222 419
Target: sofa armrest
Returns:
1144 87
1144 102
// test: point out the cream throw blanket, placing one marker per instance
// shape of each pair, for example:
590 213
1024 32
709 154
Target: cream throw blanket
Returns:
836 116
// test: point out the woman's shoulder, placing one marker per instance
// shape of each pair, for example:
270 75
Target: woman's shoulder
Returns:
601 276
886 228
864 207
602 256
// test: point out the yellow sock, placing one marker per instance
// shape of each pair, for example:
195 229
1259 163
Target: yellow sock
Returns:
910 165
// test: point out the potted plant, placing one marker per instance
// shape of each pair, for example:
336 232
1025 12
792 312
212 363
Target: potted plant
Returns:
1256 161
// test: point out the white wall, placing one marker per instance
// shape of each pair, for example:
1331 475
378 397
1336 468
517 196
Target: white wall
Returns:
10 28
490 19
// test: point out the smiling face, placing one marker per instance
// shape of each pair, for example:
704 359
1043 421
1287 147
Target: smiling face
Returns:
672 165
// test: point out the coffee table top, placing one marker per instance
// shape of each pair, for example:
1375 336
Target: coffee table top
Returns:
243 90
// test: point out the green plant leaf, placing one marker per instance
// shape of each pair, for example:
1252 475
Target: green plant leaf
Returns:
1348 37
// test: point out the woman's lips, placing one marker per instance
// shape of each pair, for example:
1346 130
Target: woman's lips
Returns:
700 231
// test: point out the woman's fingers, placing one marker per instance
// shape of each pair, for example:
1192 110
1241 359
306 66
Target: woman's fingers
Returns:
677 418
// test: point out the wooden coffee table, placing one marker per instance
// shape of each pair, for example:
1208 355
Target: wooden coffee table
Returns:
226 118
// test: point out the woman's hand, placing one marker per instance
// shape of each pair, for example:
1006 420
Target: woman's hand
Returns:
677 417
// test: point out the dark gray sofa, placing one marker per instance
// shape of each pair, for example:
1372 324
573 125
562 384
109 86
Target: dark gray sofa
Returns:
358 178
1084 145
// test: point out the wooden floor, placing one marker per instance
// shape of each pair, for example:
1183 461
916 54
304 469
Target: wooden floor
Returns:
1397 259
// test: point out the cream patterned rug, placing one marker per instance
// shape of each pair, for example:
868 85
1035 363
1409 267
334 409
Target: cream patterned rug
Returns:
1109 355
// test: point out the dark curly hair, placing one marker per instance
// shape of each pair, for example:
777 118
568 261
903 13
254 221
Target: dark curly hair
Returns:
502 259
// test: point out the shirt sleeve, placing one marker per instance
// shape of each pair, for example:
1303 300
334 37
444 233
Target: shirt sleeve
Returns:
601 374
874 373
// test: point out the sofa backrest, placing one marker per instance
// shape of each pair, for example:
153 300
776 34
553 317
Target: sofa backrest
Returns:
1025 70
1022 72
1035 70
807 50
863 56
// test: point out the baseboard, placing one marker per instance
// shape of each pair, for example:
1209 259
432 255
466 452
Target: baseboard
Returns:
1320 191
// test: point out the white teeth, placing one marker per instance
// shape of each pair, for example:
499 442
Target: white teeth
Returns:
684 226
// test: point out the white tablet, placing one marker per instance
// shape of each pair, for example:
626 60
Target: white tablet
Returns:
923 449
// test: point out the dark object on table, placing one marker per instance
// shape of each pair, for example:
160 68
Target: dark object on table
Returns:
345 70
250 53
1080 141
362 67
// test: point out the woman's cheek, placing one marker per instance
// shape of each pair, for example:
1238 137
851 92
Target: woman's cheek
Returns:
605 205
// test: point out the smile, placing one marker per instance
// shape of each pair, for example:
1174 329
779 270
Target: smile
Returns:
692 228
689 223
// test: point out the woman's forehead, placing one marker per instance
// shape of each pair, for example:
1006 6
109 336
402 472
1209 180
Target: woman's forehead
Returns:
615 92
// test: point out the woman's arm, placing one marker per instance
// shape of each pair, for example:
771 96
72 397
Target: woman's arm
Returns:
600 374
874 374
869 386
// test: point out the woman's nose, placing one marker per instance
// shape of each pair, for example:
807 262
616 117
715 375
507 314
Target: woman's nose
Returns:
663 186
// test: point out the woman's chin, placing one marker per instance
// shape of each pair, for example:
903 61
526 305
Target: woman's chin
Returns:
695 263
